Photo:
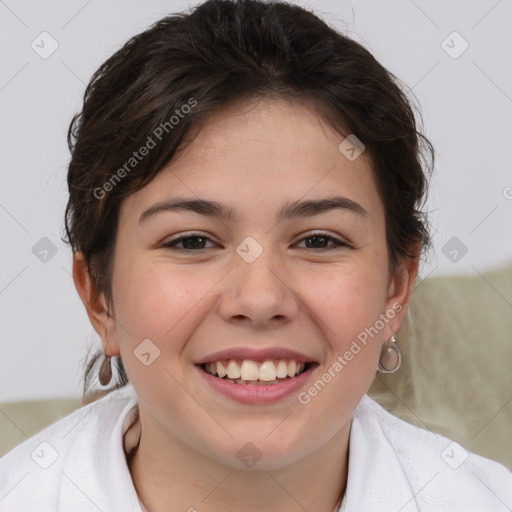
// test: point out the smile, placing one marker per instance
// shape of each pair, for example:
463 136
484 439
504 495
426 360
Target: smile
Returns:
253 373
251 382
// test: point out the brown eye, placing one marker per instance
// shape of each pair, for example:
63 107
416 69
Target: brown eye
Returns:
321 241
189 243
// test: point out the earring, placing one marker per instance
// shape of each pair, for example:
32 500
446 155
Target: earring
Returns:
390 357
105 374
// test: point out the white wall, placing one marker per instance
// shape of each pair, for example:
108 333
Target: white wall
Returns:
466 102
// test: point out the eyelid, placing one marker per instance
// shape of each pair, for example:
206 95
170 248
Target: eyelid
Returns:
341 242
321 232
185 234
174 242
188 234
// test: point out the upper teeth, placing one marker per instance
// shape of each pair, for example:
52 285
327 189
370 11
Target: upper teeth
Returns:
251 370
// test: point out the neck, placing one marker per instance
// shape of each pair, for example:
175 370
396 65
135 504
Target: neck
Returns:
171 472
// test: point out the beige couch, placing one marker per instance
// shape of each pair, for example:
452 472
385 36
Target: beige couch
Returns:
456 376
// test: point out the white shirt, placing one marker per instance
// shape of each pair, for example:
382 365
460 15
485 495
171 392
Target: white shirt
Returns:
78 464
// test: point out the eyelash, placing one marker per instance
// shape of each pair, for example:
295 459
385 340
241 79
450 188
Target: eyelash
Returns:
172 244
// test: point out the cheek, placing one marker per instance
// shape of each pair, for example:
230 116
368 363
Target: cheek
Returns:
348 302
153 302
156 304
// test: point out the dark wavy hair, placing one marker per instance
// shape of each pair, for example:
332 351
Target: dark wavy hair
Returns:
220 52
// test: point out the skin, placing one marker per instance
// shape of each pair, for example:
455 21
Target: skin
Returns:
253 158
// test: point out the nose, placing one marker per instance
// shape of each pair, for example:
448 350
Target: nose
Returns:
258 295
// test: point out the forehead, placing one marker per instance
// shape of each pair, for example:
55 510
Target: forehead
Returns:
263 151
264 123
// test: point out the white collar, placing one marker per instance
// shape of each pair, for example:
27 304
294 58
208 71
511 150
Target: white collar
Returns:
107 482
392 466
376 480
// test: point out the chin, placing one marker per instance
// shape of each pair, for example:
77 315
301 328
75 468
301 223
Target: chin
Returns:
242 453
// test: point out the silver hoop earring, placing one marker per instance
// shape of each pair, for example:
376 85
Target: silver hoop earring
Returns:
390 357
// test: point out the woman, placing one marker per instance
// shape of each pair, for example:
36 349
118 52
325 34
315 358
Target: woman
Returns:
245 204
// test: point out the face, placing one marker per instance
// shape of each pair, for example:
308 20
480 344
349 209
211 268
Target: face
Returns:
255 287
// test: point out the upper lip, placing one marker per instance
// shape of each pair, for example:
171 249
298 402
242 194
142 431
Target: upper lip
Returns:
258 355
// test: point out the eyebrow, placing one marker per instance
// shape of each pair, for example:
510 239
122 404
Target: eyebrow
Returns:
288 211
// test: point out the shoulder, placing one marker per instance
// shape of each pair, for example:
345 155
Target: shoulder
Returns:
437 468
38 466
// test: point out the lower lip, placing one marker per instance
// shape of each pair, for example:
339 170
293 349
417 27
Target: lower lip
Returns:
257 393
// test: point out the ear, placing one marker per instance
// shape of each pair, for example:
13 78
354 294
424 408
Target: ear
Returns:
96 307
400 286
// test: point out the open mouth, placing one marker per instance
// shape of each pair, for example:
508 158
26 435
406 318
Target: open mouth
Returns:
253 373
